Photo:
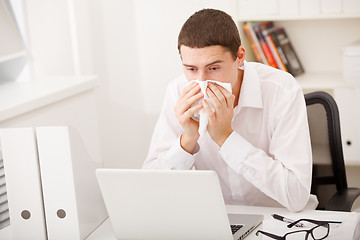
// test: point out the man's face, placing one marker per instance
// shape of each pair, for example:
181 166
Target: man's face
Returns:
209 63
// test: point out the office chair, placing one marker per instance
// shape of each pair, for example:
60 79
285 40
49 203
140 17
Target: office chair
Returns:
329 182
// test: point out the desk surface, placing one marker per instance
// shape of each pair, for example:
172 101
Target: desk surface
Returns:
346 230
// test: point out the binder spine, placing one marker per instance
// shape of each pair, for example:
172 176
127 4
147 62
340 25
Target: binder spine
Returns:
57 184
23 186
72 198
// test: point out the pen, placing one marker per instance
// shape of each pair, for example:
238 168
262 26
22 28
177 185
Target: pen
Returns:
287 220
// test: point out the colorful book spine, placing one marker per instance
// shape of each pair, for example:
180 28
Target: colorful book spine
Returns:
254 43
270 41
264 46
279 50
294 64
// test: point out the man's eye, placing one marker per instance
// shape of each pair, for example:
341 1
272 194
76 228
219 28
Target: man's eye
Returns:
191 69
214 68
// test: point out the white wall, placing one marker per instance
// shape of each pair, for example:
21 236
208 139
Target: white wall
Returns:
115 57
49 37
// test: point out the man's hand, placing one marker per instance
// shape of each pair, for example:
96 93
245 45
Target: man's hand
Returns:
183 112
219 126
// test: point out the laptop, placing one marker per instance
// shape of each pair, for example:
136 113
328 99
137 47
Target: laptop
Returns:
170 204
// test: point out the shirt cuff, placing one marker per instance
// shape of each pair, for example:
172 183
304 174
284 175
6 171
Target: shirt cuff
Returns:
235 149
179 158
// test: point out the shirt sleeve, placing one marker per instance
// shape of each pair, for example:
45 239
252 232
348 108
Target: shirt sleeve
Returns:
165 151
285 173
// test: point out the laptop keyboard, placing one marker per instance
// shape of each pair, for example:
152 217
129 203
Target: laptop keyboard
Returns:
235 228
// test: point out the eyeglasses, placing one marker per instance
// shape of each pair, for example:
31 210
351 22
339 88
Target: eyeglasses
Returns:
319 231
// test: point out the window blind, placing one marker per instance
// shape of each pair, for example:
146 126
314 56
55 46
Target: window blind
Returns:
4 207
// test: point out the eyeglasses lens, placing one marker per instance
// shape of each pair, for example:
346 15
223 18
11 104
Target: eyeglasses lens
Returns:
320 232
296 235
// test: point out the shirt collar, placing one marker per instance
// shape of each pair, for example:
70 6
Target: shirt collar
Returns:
250 94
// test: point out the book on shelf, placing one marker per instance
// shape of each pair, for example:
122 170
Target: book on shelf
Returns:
264 46
254 43
279 50
270 40
294 65
272 46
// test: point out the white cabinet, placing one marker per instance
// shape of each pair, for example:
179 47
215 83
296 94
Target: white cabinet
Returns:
348 100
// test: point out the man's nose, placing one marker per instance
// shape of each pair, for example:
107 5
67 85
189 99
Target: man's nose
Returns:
202 76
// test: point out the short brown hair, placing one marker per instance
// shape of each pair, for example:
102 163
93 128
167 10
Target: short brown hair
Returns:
209 27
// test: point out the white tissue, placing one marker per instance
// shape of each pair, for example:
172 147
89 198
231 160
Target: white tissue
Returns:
202 116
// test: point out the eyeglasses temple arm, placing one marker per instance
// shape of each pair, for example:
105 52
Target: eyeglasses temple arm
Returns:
270 235
318 222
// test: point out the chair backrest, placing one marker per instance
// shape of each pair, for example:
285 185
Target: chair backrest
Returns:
329 174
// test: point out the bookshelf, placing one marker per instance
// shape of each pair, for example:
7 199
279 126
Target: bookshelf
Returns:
318 41
302 17
324 81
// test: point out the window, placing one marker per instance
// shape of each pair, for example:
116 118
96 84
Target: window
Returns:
4 209
12 50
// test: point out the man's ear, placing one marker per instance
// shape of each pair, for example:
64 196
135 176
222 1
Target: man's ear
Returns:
241 55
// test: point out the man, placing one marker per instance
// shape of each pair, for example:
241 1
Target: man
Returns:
257 137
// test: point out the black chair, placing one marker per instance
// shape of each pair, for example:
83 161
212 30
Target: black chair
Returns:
329 182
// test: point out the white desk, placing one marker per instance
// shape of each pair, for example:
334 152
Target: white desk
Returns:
345 231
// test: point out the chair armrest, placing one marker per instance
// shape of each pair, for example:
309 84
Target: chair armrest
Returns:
343 201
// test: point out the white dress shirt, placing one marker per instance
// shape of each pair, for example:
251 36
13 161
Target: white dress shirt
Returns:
266 161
